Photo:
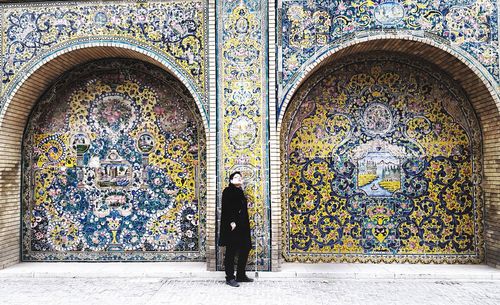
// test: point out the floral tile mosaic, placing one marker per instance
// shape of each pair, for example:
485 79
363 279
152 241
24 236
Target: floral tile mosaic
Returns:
243 121
308 26
174 29
114 168
382 161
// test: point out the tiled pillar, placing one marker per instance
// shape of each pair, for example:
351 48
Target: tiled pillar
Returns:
243 115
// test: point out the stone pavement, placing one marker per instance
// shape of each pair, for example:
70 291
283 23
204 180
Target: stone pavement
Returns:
301 284
131 291
288 270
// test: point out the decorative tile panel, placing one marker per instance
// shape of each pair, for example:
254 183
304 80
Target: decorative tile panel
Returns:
114 168
382 161
310 27
175 29
242 117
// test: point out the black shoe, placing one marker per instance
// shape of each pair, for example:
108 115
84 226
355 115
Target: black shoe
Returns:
232 283
244 279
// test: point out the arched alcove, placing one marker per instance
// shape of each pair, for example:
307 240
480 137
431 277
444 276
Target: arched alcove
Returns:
466 72
19 104
114 167
381 159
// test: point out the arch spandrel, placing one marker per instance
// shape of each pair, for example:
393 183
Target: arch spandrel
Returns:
175 29
467 26
114 167
371 147
456 61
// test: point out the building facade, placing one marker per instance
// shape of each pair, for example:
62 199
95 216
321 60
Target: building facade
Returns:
366 131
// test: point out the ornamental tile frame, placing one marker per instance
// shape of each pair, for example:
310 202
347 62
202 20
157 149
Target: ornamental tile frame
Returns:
309 29
173 32
243 135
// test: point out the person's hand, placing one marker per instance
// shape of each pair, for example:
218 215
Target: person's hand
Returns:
233 225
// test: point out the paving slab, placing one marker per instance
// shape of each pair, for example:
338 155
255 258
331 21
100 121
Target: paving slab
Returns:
389 271
189 270
295 291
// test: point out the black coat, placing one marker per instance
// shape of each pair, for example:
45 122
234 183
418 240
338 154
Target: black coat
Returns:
234 209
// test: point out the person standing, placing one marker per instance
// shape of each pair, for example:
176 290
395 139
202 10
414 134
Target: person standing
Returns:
235 230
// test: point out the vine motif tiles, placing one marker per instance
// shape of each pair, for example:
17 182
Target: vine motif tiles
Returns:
382 162
308 26
114 168
176 29
242 98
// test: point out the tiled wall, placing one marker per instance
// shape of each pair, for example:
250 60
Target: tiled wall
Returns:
40 41
297 38
460 37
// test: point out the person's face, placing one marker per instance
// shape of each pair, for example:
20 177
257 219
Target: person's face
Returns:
237 180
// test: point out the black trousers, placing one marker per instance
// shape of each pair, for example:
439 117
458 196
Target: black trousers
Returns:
231 252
